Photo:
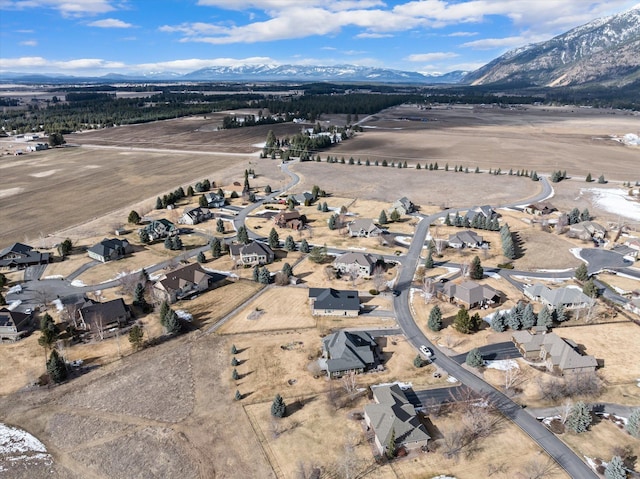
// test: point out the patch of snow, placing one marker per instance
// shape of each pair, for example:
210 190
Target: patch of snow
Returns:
58 304
225 273
444 477
502 364
14 440
358 248
78 283
402 240
591 462
451 379
17 289
554 270
259 145
615 200
493 275
54 276
182 314
14 304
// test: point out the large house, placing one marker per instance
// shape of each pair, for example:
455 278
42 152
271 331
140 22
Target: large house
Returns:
214 200
346 351
194 215
485 211
393 415
304 198
354 261
403 206
570 298
97 317
471 294
466 239
110 249
20 256
13 324
559 355
364 228
540 209
161 228
587 229
185 281
251 254
291 219
334 302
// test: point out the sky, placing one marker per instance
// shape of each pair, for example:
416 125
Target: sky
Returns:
96 37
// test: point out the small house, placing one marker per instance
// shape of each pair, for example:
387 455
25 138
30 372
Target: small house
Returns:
214 200
195 215
471 294
403 206
184 282
251 254
290 219
466 239
110 249
540 209
364 228
13 324
334 302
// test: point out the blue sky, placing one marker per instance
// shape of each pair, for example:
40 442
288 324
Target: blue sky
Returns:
94 37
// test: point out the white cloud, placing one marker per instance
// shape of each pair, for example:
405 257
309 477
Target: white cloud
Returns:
70 8
80 64
491 43
463 34
29 43
430 57
374 35
110 23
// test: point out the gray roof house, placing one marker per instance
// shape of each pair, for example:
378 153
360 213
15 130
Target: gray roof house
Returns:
194 215
558 354
354 261
404 206
110 249
471 294
185 281
392 413
363 228
485 211
251 254
540 209
466 239
20 256
569 298
160 229
304 199
214 200
345 351
587 229
13 324
96 317
334 302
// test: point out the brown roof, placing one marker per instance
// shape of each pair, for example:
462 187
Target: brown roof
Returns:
179 278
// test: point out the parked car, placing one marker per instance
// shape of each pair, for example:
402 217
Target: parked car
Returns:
426 351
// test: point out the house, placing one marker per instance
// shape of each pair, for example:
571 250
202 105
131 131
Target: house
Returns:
193 216
290 219
214 200
403 206
251 254
20 256
161 228
13 324
466 239
633 243
96 317
364 228
185 281
334 302
586 230
569 298
633 306
559 355
540 209
393 415
305 198
626 251
471 294
110 249
485 211
360 263
346 351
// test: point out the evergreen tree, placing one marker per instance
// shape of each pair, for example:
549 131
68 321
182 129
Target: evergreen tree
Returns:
477 170
48 332
574 216
590 289
463 322
159 205
325 207
579 418
172 323
278 407
447 220
256 273
601 180
382 219
528 317
234 350
581 273
220 225
588 179
392 448
144 236
134 217
560 314
238 396
168 243
274 238
267 189
243 235
332 222
2 300
190 191
216 248
177 243
56 368
474 358
633 423
615 469
418 362
585 215
544 317
435 319
289 243
136 334
476 271
234 375
287 270
395 216
202 201
138 296
318 254
498 322
534 176
428 262
201 258
304 246
164 311
418 166
514 319
264 276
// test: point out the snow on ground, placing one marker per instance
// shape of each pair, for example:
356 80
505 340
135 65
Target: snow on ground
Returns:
78 283
358 248
403 386
55 276
224 273
591 462
614 200
14 304
493 275
554 270
17 289
19 445
185 315
451 379
58 304
259 145
403 240
502 364
443 477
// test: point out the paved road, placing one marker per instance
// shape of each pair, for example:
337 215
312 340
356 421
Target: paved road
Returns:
493 352
599 259
425 397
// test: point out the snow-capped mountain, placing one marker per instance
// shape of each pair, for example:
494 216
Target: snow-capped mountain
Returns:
606 51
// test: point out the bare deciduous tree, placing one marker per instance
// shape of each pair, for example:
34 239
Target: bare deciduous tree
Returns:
539 469
565 410
379 280
350 382
440 245
428 290
128 281
500 468
513 377
464 268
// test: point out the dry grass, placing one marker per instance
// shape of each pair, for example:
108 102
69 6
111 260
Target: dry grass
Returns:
625 284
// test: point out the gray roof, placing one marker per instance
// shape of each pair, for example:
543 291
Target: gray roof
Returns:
365 224
106 246
347 350
558 296
19 248
471 292
25 255
561 352
108 312
394 414
355 257
466 237
255 247
189 274
329 298
484 210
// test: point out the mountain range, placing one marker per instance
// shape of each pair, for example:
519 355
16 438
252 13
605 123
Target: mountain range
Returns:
603 52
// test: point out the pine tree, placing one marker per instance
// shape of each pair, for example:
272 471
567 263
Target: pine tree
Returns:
138 296
304 246
544 317
498 322
633 423
48 332
56 368
601 180
238 396
256 273
164 311
243 235
144 236
264 277
190 191
585 215
234 350
172 323
136 334
234 361
462 322
435 319
579 418
134 217
332 222
220 225
476 271
590 289
216 248
615 469
395 216
274 238
159 205
289 243
201 258
528 317
234 375
278 407
392 447
581 273
588 179
325 207
560 314
428 262
287 270
474 358
177 243
574 216
447 220
202 202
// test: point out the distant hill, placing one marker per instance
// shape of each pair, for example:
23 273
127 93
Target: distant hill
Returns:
605 51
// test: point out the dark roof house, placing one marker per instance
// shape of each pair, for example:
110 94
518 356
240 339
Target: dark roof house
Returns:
194 215
185 281
466 239
334 302
290 219
110 249
20 256
13 324
471 294
96 317
404 206
346 351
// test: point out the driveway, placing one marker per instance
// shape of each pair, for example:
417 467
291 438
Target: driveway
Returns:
425 397
599 259
493 352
